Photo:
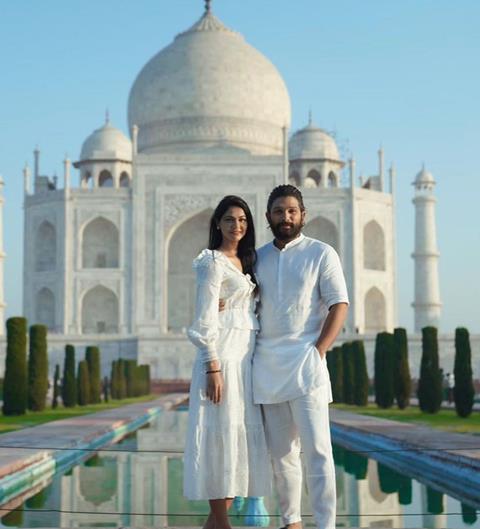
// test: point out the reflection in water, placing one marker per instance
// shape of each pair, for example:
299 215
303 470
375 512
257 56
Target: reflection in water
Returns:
116 488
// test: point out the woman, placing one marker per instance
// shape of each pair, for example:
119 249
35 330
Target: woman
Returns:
225 452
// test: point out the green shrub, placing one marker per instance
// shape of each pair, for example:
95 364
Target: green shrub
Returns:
430 382
56 386
463 391
83 383
469 514
15 383
92 356
384 355
402 379
69 383
348 373
37 368
335 368
360 373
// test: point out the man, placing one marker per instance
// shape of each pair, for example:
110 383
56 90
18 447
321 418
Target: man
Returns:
304 304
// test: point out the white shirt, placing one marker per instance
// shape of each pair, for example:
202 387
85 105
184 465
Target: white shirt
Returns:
298 285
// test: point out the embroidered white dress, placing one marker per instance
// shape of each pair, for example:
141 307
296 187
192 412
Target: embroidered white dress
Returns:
225 451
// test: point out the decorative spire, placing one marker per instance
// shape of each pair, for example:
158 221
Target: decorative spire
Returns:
107 117
310 120
207 6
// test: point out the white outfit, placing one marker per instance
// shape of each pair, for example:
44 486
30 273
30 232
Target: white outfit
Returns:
298 285
225 453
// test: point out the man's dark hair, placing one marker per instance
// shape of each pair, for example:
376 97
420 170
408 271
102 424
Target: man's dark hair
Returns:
285 190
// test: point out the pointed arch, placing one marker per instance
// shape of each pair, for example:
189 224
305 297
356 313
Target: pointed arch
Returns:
187 241
324 230
375 306
45 247
99 311
373 246
124 179
105 179
332 179
45 308
100 244
315 176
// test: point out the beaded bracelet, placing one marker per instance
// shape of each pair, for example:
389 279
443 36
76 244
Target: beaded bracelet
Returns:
213 371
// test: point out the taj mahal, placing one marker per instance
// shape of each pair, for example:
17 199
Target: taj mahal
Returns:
107 255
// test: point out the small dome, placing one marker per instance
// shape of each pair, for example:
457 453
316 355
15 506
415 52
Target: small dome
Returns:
106 143
424 177
209 87
312 142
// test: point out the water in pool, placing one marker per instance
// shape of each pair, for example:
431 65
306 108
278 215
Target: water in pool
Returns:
138 483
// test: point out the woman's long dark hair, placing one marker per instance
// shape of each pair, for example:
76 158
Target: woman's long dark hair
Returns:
246 246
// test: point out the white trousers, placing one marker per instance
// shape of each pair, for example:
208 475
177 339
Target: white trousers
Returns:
304 423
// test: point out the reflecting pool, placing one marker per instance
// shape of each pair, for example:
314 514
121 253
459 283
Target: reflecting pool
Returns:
138 483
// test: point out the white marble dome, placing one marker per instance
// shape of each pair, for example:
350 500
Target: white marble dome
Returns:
313 143
209 88
107 143
424 177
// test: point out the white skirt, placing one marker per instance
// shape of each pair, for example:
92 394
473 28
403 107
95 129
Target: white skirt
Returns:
225 452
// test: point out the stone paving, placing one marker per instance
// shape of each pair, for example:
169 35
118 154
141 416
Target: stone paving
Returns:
461 447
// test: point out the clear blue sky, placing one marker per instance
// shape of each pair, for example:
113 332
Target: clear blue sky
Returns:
405 74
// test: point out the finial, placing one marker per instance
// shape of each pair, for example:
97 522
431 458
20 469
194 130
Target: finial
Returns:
207 6
107 116
310 116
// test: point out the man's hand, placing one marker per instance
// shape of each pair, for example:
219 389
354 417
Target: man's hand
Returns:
332 326
221 305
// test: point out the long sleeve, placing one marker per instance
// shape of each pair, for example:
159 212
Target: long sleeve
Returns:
203 333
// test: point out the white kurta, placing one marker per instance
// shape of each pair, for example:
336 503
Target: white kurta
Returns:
225 453
298 285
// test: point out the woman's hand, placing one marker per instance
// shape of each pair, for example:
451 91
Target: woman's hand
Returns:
215 387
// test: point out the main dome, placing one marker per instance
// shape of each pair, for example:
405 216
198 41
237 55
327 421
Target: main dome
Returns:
209 87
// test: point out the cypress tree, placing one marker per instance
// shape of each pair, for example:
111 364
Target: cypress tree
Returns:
463 392
148 380
384 392
92 356
83 383
335 368
37 368
360 373
56 386
105 389
434 501
69 383
131 375
389 479
15 382
113 380
405 491
355 465
121 379
348 373
430 382
402 379
469 514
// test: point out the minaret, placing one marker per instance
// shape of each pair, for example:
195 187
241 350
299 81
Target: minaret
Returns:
381 171
2 257
427 303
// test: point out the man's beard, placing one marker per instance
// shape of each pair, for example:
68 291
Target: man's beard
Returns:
288 235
